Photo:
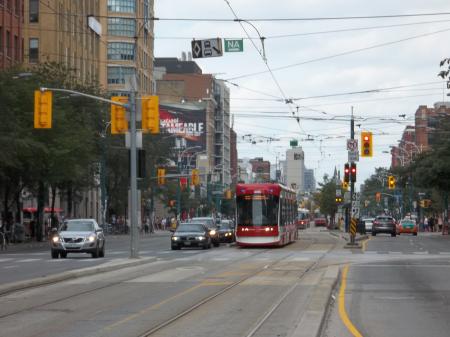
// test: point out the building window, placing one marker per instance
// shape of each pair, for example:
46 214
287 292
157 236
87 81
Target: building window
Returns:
118 75
34 10
16 48
33 53
122 6
120 51
121 27
8 43
1 38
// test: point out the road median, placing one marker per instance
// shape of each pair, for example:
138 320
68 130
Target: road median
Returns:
314 316
72 274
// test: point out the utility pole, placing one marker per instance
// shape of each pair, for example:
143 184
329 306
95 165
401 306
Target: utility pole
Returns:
352 183
134 246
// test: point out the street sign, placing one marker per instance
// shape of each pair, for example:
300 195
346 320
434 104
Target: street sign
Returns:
357 196
206 48
232 46
353 156
352 145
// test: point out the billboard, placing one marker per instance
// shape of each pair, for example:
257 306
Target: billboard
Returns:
188 122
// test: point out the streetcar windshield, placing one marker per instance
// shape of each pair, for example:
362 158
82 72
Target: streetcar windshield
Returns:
257 210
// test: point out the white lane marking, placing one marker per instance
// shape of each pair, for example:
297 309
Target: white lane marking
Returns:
189 251
421 253
10 267
444 253
28 260
165 252
117 252
395 253
5 260
38 254
395 298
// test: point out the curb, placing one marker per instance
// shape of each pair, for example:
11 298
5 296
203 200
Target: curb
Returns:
72 274
345 236
313 319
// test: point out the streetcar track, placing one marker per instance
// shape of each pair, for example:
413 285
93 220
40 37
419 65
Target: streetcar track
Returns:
265 317
94 289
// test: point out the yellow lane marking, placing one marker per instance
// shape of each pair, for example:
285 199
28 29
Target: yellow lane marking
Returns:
364 244
342 312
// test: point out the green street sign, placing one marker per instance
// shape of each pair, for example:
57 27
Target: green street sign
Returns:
232 46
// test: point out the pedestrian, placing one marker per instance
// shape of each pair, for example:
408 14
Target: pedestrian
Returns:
163 223
431 223
425 225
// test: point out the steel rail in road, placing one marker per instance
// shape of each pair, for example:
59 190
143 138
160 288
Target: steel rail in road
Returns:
93 290
263 318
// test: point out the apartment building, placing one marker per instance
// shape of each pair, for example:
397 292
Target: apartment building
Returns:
11 33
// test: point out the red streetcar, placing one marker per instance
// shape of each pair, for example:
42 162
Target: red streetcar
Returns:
265 215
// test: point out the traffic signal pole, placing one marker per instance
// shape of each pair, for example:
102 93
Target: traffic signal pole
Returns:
352 182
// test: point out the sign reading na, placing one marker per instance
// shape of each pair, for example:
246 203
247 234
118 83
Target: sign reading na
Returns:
234 45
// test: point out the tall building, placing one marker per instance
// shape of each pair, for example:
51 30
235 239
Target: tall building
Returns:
11 33
403 154
66 32
182 82
295 168
126 47
310 181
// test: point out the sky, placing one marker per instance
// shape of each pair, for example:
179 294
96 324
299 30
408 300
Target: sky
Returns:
311 58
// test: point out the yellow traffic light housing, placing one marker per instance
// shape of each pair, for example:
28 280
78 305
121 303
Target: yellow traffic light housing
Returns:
42 109
391 182
366 144
195 179
161 176
345 185
119 123
150 114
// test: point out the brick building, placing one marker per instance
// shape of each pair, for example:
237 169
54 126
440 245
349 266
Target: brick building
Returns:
260 170
11 33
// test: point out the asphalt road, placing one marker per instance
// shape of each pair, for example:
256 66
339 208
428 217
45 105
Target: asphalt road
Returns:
397 287
256 292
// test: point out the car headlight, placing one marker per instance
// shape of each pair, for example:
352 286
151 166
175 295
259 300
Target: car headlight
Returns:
200 238
55 239
174 238
212 232
91 238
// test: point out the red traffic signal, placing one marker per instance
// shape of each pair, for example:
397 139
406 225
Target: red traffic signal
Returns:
366 144
353 173
347 173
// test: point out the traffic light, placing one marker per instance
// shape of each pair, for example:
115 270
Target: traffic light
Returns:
161 176
183 182
228 194
366 144
347 173
391 182
195 177
150 114
345 186
119 123
353 172
378 196
42 109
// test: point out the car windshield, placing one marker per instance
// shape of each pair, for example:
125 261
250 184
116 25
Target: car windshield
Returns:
190 227
78 226
207 221
225 225
384 218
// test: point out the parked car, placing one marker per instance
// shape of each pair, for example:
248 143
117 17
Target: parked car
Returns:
320 221
78 236
407 226
384 224
368 223
226 231
191 234
212 227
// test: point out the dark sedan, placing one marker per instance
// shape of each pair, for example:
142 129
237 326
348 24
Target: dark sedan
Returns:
191 235
210 223
226 231
384 224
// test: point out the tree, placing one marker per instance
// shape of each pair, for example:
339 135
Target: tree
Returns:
325 198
